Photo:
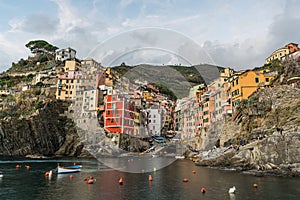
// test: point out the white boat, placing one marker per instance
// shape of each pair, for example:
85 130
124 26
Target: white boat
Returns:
62 170
179 157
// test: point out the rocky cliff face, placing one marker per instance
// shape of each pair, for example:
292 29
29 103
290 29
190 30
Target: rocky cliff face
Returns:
268 123
45 132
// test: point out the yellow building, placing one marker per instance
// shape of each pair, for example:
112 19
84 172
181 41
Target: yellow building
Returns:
244 84
282 52
66 84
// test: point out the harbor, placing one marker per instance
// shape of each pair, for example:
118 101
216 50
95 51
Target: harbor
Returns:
167 183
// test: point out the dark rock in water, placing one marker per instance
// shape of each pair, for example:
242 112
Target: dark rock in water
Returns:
133 144
47 132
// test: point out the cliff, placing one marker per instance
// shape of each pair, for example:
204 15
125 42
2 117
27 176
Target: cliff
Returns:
45 131
268 125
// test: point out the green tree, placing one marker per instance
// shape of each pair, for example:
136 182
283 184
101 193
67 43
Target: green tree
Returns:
40 47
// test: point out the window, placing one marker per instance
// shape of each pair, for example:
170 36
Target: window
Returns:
237 81
66 92
108 112
67 81
70 92
59 91
256 80
267 79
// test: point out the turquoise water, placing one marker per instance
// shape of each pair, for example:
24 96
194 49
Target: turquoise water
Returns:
167 182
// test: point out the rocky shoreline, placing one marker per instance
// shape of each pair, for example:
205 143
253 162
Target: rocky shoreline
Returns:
269 156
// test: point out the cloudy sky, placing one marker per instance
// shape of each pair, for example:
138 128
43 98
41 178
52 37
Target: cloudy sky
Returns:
237 34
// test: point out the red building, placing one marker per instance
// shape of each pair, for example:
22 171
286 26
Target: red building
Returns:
119 115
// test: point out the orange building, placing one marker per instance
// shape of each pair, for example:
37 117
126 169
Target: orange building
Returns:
244 84
119 115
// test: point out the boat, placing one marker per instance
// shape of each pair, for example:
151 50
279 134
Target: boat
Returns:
179 157
74 167
1 174
64 170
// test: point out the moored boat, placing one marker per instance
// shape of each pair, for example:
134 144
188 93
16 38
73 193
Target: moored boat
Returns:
74 167
62 170
179 157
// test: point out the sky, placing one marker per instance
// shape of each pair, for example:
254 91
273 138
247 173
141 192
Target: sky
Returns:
236 34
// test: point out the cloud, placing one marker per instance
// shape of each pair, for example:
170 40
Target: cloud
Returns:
36 24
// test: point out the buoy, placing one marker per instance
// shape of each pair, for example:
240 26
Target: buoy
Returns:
74 163
255 185
203 190
91 181
194 172
143 171
18 166
150 178
47 174
27 167
71 176
91 177
85 178
121 181
232 190
185 180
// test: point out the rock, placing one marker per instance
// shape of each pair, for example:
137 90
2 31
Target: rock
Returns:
44 133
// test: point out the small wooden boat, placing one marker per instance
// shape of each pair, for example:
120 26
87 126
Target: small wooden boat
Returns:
63 170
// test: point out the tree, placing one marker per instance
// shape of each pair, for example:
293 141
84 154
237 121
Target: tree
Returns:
40 47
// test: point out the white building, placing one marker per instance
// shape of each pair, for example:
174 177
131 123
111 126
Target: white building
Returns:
65 54
154 121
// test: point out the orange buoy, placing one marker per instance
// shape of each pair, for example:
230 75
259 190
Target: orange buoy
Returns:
185 180
91 177
150 178
203 190
91 181
71 176
74 163
27 167
47 174
121 181
194 172
18 166
255 185
85 178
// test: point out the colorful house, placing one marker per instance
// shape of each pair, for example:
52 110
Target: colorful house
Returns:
244 84
119 114
282 52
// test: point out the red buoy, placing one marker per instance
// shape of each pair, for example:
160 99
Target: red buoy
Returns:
18 166
203 190
143 171
185 180
194 172
71 176
91 181
85 178
121 181
91 177
27 167
150 178
47 174
255 185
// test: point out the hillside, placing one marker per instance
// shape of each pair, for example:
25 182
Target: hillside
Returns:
176 78
268 126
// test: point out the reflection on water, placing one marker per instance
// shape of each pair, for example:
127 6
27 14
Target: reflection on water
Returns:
167 183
